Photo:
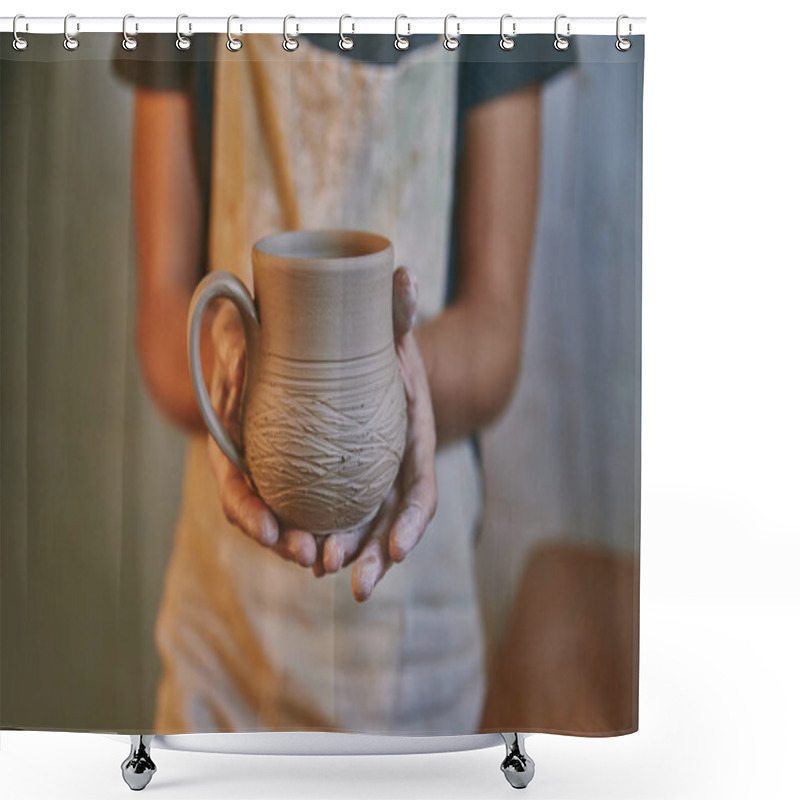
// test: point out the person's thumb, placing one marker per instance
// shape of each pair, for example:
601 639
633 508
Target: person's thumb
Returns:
404 301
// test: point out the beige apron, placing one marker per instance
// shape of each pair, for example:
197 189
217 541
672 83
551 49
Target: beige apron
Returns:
247 640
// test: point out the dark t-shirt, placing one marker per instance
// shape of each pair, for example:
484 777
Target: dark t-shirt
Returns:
485 72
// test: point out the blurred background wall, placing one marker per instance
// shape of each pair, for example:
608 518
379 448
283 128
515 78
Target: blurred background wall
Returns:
91 474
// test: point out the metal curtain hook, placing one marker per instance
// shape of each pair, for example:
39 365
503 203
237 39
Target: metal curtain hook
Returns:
507 42
19 43
128 42
233 44
70 42
623 44
345 42
561 43
451 42
182 42
290 44
401 42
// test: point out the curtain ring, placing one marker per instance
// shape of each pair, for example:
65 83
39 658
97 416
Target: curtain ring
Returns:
290 44
128 42
507 42
560 42
623 44
233 44
19 43
182 42
451 42
70 42
345 42
401 42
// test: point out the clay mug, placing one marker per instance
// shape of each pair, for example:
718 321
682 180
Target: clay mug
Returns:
324 408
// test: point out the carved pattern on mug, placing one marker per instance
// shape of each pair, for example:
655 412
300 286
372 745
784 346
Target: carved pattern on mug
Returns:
324 441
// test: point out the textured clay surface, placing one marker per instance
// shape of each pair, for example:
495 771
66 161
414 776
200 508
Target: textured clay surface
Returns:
324 440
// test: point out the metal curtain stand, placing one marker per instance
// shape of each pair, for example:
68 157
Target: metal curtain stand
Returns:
138 768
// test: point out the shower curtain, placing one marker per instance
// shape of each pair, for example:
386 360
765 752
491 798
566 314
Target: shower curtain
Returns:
509 184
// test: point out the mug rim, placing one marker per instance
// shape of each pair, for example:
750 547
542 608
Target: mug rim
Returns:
352 244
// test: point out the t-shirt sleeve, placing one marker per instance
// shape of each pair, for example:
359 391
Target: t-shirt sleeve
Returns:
486 71
155 63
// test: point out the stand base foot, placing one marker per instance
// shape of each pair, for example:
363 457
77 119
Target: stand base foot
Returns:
517 766
138 768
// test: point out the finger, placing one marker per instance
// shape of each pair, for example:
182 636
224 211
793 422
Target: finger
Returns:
319 567
341 547
230 345
421 421
225 393
373 561
419 462
404 301
413 520
217 390
234 385
220 399
299 546
420 498
338 548
415 383
292 548
240 504
370 567
226 326
227 334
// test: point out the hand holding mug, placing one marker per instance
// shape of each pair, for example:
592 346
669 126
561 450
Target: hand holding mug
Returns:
388 533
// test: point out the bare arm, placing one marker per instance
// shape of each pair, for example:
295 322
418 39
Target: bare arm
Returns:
472 351
169 239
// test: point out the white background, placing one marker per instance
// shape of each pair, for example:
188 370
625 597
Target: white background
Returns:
720 605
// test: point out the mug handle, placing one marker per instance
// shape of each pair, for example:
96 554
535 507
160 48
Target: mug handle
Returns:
220 284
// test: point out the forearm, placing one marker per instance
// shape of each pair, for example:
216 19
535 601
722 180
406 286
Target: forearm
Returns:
473 349
169 241
472 363
162 348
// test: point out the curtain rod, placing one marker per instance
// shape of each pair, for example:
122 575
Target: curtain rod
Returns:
630 26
